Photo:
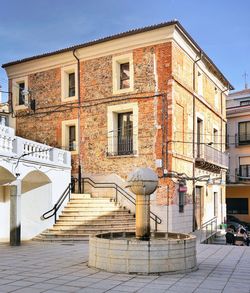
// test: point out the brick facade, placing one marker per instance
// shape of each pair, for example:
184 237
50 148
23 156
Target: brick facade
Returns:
95 87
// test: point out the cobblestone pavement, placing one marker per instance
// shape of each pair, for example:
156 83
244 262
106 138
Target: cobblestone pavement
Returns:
62 267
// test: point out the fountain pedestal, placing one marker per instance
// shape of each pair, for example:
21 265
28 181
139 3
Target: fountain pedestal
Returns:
142 217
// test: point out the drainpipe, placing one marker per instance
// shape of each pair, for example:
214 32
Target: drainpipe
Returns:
222 220
79 120
221 97
194 122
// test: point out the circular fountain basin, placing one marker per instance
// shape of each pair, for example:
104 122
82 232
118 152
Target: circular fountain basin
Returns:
121 252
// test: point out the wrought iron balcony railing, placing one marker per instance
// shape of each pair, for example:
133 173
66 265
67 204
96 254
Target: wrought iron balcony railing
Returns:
121 146
211 155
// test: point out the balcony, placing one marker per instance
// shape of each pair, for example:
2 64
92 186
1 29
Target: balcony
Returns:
242 174
210 158
14 147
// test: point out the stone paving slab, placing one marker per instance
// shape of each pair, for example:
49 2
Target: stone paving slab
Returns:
59 267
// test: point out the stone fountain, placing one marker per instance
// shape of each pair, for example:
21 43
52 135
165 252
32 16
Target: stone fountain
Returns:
143 252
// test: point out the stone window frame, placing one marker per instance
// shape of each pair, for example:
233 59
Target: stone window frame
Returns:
116 62
65 71
65 134
15 93
216 144
112 125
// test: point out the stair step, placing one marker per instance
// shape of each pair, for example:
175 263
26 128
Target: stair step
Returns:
50 236
80 195
60 239
91 201
86 220
93 206
82 233
90 227
94 216
93 213
94 222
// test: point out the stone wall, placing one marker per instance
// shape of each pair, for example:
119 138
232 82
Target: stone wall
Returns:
187 106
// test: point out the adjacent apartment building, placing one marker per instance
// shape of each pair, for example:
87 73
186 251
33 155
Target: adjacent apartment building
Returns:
148 97
238 141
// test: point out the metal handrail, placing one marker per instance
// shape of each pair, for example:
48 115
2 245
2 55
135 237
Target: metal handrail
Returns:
118 189
205 225
53 212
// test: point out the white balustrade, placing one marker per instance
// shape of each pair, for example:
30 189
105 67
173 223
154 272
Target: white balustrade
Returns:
61 157
17 147
6 141
5 130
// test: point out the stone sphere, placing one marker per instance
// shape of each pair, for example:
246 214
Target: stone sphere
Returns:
143 181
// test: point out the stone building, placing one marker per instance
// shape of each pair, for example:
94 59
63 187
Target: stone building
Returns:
146 97
238 141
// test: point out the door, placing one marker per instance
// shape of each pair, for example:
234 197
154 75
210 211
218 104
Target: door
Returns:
215 204
198 212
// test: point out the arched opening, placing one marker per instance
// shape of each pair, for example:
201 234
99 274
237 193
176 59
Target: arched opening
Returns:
36 199
6 176
33 180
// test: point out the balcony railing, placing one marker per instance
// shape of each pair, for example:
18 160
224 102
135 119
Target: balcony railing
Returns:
241 175
121 146
237 140
17 147
242 139
211 155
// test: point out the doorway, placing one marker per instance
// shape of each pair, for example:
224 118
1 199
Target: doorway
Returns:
199 206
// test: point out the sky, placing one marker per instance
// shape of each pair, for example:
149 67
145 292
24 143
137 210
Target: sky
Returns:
220 27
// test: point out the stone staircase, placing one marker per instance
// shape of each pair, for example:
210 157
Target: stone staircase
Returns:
84 216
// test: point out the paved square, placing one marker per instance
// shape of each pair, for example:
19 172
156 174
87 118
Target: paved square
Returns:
62 267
